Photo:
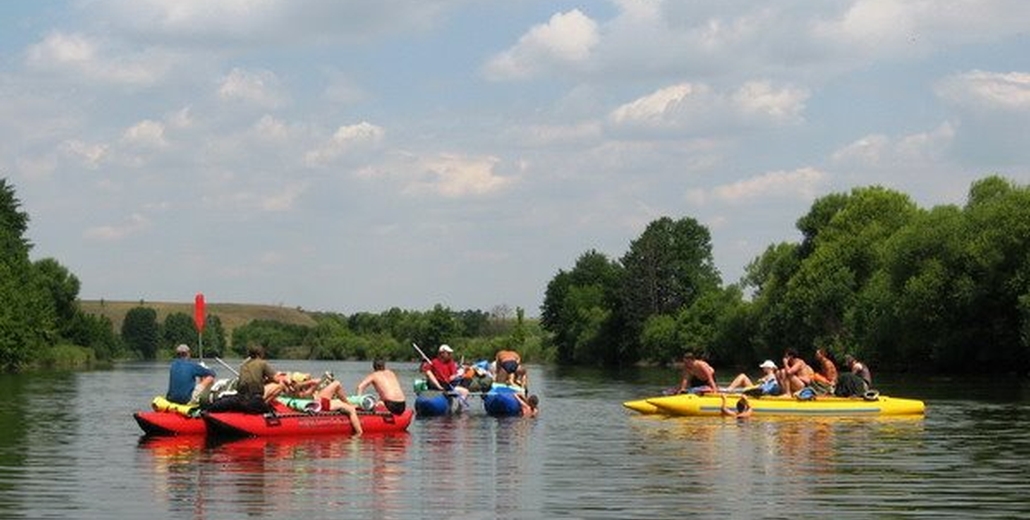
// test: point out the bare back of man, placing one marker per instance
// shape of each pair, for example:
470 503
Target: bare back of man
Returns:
386 385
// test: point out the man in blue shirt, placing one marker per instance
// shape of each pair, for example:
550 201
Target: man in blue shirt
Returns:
185 375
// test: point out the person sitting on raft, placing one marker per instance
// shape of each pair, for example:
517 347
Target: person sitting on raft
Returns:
696 371
302 385
258 379
767 383
442 371
386 385
825 377
860 369
188 382
795 374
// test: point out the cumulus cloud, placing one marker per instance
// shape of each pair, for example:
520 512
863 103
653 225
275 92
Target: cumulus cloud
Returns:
887 27
87 58
146 134
258 87
347 138
456 176
878 150
698 106
988 90
135 224
803 183
566 39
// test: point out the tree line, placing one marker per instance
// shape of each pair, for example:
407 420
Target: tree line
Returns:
474 334
873 275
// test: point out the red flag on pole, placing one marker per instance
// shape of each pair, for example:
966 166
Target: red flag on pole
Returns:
198 312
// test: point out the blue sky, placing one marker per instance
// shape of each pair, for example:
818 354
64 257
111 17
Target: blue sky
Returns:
354 156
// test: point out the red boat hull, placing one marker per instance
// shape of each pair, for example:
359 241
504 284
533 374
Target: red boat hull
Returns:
169 423
236 424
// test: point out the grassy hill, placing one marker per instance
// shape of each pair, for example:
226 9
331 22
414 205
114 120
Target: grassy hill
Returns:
232 314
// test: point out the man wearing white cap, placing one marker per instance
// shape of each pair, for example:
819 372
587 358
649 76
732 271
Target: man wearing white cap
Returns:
442 369
184 376
768 378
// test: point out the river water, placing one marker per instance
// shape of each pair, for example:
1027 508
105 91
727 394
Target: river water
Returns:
69 448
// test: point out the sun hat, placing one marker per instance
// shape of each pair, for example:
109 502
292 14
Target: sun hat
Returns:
767 364
445 348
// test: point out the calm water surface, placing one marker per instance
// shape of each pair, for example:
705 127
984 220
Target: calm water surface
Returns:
70 449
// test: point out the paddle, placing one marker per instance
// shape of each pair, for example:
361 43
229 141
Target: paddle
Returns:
198 320
423 354
226 365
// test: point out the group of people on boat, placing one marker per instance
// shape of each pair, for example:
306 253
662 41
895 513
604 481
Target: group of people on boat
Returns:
794 377
442 372
258 385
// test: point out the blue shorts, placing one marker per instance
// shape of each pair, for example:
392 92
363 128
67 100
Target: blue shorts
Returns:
509 365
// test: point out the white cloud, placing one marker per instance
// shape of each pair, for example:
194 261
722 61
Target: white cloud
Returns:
878 150
83 57
135 224
566 39
761 99
699 106
146 134
258 87
346 138
659 106
802 183
990 90
457 176
888 28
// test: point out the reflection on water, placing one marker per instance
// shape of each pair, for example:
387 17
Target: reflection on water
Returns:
69 449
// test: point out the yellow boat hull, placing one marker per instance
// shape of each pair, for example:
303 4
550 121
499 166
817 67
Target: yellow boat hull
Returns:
642 406
699 405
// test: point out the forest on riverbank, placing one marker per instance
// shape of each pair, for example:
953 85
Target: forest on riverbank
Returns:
941 289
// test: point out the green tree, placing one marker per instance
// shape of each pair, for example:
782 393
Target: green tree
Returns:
141 332
441 327
578 311
62 286
214 336
667 268
27 315
177 329
846 237
95 332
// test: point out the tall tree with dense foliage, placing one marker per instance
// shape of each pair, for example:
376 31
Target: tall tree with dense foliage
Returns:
579 310
141 332
845 247
27 316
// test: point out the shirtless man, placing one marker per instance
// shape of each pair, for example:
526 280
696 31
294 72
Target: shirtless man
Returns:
827 369
385 382
508 362
795 374
696 370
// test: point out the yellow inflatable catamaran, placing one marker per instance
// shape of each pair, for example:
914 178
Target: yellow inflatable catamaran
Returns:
711 404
